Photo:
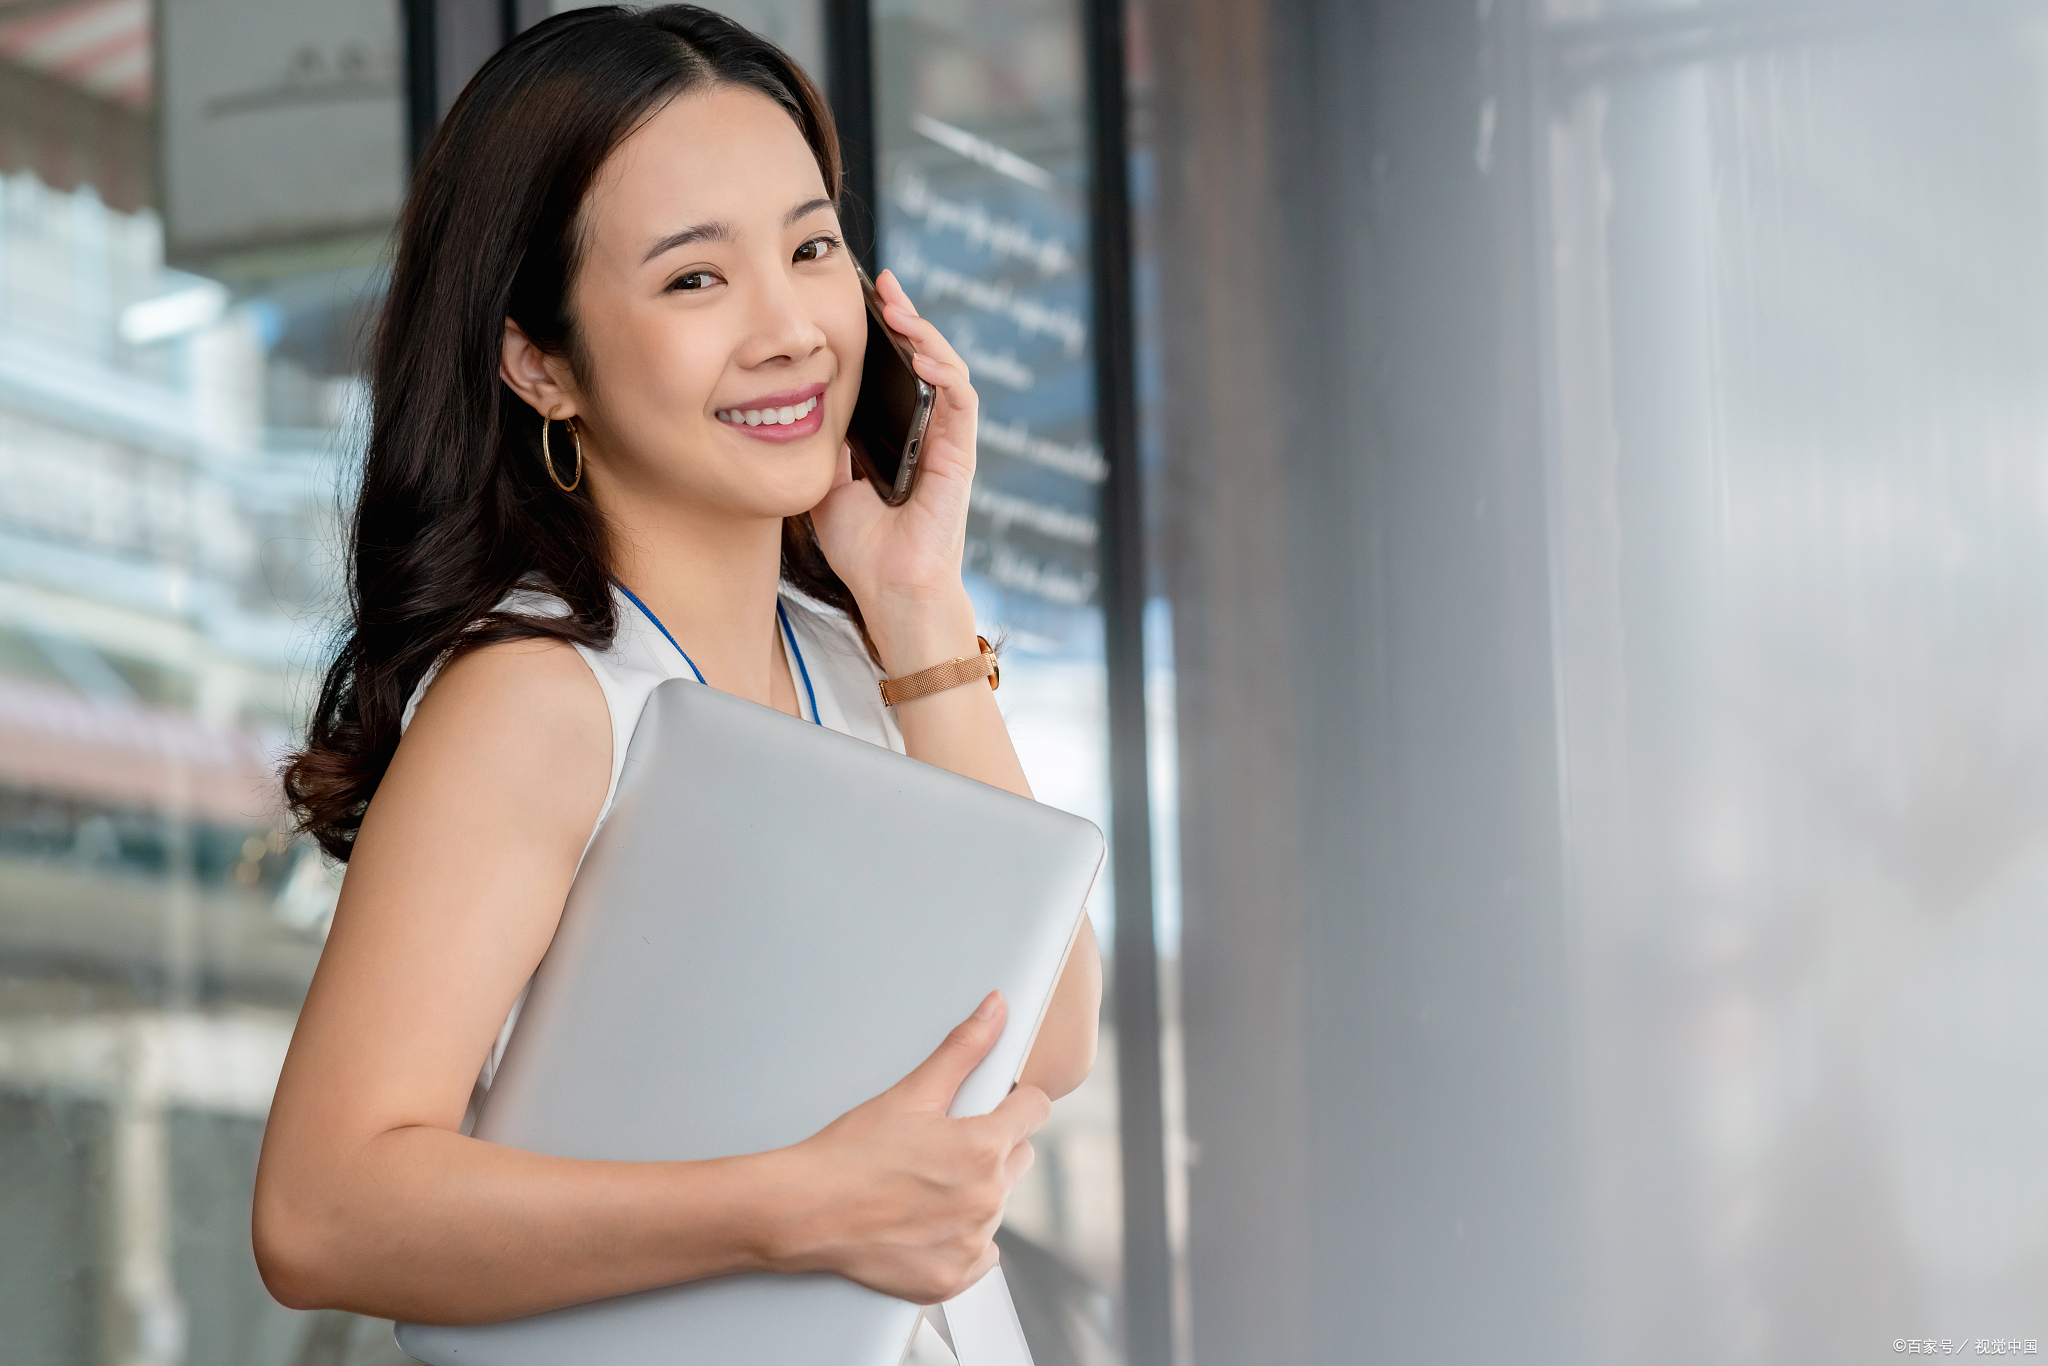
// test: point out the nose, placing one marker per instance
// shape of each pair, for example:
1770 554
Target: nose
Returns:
781 328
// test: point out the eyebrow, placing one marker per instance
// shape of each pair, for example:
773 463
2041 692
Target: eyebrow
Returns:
722 232
703 232
804 209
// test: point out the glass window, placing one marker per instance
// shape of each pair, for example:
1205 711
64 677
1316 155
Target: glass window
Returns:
194 200
982 179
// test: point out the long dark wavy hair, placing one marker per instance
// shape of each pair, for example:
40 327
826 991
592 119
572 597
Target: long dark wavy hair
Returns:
455 507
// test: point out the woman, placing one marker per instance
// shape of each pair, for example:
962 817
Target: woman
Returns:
611 385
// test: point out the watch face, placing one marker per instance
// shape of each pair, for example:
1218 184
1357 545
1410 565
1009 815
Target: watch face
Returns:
995 667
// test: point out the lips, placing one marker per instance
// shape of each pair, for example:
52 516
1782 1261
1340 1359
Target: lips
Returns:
789 415
784 408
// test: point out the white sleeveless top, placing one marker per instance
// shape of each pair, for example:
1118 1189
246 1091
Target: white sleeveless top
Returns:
836 686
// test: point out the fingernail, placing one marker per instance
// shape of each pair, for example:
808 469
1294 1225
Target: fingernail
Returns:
987 1008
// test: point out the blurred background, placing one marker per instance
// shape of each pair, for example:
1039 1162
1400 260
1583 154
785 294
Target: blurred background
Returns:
1527 520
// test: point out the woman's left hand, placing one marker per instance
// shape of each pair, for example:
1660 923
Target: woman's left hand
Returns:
907 559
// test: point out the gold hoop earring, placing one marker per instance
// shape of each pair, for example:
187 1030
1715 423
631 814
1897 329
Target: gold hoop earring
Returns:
549 460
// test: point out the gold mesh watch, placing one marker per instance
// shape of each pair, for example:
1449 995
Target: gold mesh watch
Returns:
939 677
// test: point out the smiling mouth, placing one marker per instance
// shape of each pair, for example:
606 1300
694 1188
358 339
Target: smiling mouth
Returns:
784 416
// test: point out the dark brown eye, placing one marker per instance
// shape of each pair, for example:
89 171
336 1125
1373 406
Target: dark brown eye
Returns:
696 279
817 249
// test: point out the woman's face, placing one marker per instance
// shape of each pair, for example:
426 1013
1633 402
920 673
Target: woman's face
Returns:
722 321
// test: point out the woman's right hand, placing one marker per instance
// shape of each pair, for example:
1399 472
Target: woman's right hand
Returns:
896 1195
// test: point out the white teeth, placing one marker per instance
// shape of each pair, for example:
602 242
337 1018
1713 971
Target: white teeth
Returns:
769 417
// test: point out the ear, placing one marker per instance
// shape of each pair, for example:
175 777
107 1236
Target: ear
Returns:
535 376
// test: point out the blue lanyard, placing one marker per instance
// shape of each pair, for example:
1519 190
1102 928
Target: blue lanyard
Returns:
801 667
788 633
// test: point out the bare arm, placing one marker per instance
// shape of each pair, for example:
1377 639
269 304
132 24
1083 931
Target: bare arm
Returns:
903 565
369 1198
962 729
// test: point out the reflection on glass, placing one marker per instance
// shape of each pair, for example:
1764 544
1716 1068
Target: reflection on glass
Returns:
187 255
795 26
1801 323
983 216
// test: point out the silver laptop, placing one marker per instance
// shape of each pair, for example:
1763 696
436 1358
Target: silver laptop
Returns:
776 923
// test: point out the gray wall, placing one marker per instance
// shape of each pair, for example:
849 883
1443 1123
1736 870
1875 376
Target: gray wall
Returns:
1606 531
1373 998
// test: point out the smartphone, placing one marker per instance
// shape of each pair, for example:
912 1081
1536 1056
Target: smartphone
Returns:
892 411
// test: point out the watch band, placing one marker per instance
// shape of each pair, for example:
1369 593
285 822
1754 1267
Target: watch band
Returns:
940 677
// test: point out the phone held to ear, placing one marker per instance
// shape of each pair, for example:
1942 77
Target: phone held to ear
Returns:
890 415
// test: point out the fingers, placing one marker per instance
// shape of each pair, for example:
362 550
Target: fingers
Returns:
939 1076
935 360
1023 1113
945 1284
949 377
926 340
1018 1162
892 291
904 319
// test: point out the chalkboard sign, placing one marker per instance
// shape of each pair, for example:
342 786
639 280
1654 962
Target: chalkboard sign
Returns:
983 195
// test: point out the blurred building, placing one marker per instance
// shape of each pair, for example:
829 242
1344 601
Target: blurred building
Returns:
167 496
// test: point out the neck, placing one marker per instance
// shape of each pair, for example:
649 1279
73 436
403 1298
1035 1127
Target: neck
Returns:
713 583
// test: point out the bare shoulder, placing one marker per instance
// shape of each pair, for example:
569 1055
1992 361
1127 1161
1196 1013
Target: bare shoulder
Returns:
542 682
521 721
458 876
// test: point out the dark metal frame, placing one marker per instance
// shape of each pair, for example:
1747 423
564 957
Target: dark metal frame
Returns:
422 86
445 42
850 87
1148 1260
